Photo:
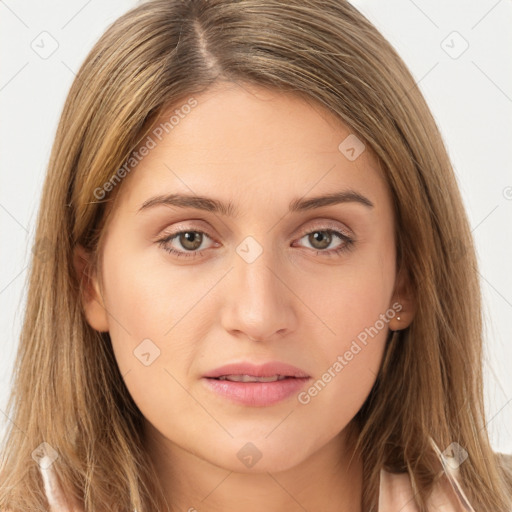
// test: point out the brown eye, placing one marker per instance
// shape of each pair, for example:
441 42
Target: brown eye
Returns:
327 242
190 240
320 239
186 243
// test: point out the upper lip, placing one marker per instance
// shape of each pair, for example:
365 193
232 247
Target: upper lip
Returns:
262 370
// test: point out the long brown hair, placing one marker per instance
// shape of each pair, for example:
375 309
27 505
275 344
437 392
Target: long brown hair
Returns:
67 389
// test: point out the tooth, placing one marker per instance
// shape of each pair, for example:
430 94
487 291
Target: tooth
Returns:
250 378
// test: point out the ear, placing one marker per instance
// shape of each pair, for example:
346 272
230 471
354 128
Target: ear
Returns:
91 297
402 296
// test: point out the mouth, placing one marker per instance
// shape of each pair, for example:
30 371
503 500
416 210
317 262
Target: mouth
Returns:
256 386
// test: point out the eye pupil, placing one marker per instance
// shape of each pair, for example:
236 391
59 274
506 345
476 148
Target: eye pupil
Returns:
191 240
323 237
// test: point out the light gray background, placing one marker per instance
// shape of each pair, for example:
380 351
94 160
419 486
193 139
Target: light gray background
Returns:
470 94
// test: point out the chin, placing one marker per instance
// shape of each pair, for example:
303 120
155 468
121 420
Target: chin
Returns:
259 455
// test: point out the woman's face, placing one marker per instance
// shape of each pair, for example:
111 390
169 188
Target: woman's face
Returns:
266 270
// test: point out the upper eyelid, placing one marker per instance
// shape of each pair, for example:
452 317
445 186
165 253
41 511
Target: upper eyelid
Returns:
324 224
327 225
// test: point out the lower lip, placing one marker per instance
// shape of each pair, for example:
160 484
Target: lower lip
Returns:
256 394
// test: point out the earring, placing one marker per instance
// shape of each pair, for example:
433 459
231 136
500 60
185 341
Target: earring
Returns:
398 318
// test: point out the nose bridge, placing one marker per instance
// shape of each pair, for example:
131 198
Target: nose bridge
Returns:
259 303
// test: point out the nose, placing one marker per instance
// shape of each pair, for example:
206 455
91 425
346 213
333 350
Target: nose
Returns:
259 301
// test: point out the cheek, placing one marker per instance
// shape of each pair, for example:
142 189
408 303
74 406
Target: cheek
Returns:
352 301
354 312
333 399
347 362
154 322
145 297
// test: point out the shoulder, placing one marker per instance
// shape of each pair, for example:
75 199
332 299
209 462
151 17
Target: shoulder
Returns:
504 460
57 500
396 493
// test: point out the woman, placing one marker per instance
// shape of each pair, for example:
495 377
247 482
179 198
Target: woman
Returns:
262 292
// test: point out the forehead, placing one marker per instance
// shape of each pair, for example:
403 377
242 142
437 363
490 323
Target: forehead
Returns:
251 143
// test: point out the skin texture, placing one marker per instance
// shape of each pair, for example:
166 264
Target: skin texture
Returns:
260 150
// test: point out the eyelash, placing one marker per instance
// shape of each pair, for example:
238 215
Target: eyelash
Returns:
346 246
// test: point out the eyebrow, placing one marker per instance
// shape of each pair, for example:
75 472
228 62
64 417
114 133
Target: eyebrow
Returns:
210 204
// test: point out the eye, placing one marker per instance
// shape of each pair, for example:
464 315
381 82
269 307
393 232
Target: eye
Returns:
190 240
191 243
321 239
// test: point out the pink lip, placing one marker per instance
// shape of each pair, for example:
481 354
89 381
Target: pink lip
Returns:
263 370
257 394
